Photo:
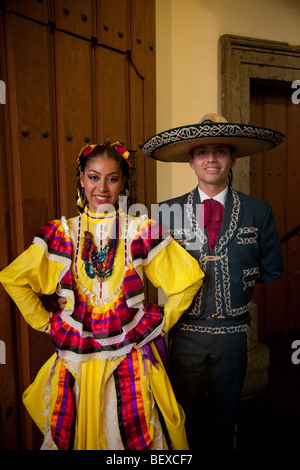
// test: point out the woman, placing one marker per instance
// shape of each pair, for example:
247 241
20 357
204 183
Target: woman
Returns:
106 387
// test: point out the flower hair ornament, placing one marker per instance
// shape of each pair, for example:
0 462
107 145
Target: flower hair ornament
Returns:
122 151
85 151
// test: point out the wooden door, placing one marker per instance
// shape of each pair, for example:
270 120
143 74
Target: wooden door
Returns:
77 71
30 176
9 397
275 177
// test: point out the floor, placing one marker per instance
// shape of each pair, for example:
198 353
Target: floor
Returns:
270 421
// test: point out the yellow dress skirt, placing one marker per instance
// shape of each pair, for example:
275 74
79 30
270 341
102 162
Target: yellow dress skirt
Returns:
107 386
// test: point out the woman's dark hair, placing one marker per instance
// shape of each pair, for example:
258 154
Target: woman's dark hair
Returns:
111 153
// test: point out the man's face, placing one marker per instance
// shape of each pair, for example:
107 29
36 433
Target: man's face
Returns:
211 164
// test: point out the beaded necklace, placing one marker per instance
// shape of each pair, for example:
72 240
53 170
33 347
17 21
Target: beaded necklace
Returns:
100 264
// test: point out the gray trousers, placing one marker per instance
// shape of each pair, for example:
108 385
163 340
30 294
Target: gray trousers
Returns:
207 373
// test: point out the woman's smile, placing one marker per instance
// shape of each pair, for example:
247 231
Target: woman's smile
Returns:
102 181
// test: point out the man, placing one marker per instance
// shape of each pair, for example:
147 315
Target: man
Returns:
236 242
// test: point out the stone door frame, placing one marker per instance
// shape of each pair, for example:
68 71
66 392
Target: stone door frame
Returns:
243 59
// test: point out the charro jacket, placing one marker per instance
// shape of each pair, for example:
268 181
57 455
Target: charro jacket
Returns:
248 251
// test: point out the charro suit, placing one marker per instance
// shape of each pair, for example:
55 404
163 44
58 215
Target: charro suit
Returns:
210 342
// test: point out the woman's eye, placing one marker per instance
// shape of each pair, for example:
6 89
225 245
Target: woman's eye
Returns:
112 179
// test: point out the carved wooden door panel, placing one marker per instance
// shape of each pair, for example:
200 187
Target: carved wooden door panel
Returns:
112 97
74 104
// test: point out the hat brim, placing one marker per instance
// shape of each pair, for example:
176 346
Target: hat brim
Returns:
175 145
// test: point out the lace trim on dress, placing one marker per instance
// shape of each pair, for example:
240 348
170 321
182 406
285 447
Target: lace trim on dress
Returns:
51 256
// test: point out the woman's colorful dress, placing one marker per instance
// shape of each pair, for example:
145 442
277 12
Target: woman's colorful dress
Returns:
106 387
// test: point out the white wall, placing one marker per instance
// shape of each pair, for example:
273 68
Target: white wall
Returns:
187 34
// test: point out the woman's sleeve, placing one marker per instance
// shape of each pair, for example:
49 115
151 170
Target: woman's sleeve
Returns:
39 270
170 267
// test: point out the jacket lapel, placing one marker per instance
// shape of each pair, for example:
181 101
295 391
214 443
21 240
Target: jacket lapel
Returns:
193 208
231 220
229 227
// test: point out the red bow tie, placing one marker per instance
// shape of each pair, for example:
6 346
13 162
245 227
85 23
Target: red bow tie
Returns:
213 211
211 219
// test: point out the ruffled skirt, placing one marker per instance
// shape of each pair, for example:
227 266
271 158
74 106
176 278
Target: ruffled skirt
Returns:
126 403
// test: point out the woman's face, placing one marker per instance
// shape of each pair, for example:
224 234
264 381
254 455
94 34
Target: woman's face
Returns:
102 181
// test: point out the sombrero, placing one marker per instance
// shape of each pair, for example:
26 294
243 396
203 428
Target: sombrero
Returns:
175 145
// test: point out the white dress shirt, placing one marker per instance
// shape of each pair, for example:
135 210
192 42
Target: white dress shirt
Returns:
221 197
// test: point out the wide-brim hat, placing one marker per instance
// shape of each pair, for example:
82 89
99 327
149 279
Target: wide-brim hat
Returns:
175 145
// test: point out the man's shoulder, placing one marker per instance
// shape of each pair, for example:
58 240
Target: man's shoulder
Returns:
253 202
